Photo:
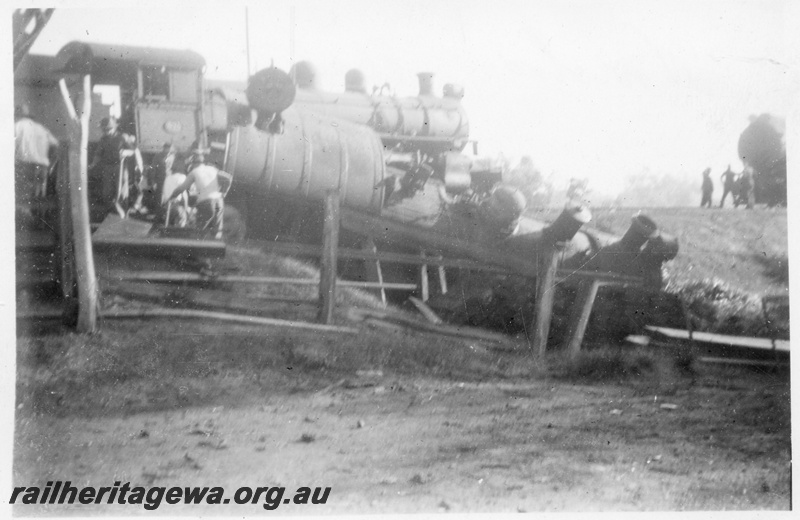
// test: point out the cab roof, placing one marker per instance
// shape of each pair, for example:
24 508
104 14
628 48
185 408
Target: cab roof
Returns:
102 59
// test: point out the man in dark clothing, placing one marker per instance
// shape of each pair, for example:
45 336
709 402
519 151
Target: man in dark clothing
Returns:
106 163
708 189
729 185
130 186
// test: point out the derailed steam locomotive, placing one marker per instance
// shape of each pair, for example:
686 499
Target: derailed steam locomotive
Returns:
400 158
287 143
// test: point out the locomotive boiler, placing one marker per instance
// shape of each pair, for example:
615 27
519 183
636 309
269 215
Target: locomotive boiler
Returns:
290 140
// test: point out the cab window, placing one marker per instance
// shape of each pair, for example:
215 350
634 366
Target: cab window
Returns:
155 82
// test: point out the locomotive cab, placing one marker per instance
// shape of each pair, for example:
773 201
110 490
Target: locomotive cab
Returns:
160 90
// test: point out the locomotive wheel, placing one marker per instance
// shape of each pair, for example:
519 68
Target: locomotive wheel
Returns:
234 228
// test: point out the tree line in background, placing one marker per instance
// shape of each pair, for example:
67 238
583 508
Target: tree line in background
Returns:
761 146
648 188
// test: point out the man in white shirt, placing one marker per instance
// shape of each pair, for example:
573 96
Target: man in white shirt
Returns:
212 185
32 143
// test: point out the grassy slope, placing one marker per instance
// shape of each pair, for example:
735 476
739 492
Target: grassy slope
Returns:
746 249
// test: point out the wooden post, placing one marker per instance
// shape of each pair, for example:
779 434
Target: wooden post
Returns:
330 243
547 265
66 249
424 289
373 270
442 278
78 129
687 317
579 316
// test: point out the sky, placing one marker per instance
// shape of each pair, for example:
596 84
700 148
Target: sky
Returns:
600 89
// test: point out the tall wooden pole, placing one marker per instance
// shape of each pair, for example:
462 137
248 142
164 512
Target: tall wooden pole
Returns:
330 244
79 187
66 245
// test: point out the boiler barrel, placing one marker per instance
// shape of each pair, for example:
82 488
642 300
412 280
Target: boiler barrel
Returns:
314 154
399 118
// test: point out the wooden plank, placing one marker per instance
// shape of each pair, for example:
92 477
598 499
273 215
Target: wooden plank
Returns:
161 276
435 243
722 339
438 260
448 330
381 256
160 246
426 311
327 272
543 304
114 226
386 325
236 318
579 316
605 278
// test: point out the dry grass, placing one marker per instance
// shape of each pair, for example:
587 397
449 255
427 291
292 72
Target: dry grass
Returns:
119 369
745 249
247 261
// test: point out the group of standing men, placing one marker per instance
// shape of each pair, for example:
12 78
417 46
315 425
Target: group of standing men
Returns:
740 186
123 184
118 166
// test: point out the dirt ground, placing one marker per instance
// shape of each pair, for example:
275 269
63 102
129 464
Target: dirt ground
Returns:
406 430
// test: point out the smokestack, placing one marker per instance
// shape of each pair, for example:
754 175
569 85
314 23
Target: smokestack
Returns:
425 83
354 81
305 75
451 90
642 229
